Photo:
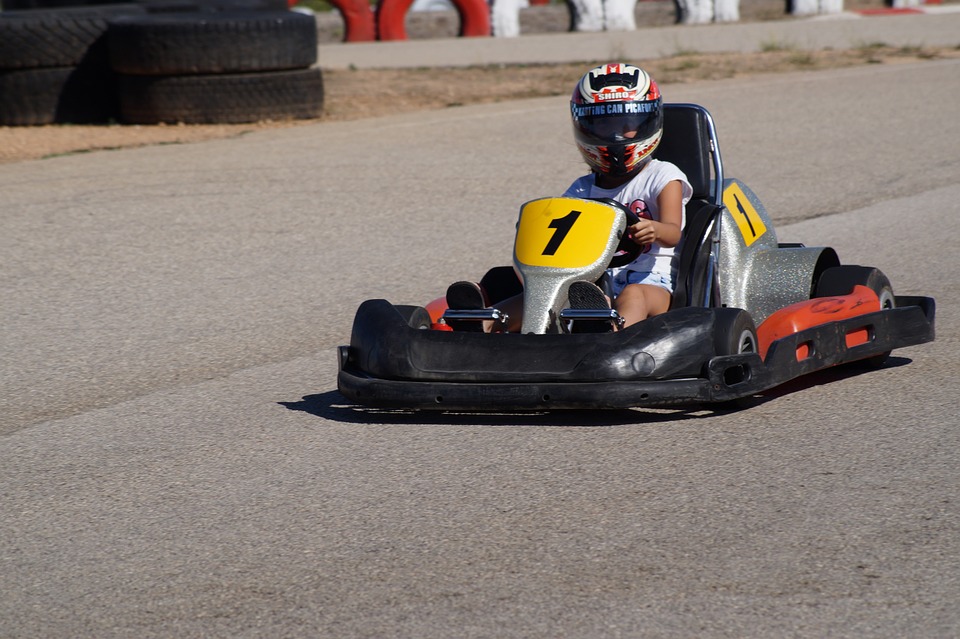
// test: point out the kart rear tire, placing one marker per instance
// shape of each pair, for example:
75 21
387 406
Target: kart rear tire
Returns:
840 280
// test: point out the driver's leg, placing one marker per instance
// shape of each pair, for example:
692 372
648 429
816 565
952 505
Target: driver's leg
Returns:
637 302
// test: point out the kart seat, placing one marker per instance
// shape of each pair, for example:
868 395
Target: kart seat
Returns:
689 142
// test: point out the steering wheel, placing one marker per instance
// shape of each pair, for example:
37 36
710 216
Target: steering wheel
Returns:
627 250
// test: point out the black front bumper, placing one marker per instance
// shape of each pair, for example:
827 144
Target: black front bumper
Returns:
747 379
667 360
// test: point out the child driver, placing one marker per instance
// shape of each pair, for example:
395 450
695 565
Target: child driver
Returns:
617 114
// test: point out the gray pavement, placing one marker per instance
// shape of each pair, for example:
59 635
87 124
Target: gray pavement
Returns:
940 28
176 461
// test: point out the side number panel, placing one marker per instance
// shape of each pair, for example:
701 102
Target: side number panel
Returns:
748 220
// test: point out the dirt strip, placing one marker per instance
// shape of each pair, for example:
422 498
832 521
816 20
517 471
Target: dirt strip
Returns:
365 93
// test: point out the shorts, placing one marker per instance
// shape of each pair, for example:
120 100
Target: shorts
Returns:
621 279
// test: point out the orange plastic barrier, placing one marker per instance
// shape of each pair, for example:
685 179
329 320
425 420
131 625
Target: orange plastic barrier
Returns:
392 15
360 24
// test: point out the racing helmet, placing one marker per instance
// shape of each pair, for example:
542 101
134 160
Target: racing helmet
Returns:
617 116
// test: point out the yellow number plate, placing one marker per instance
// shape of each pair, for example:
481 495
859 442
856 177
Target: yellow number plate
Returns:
563 232
748 220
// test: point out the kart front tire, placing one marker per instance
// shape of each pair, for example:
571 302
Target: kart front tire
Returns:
840 280
735 332
415 316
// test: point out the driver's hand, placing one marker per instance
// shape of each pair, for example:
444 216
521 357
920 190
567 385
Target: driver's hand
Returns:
643 232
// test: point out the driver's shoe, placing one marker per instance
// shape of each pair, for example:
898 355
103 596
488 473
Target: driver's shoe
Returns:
464 296
588 296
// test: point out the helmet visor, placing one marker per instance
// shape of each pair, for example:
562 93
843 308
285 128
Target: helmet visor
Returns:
616 122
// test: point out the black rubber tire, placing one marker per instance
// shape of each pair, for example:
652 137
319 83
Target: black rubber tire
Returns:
180 6
212 43
33 5
227 98
734 332
63 37
840 280
64 95
415 316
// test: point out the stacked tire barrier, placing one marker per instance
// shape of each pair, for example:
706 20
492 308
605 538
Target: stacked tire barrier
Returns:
122 62
223 67
53 65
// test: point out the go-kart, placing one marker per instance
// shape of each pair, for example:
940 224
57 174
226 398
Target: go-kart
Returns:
748 313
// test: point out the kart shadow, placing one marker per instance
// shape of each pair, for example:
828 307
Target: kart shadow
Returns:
831 375
333 406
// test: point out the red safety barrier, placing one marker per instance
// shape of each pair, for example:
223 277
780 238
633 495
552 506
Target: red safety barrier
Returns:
392 15
359 20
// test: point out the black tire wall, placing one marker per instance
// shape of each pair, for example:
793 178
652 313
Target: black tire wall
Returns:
57 37
228 42
96 64
222 98
208 68
53 65
74 95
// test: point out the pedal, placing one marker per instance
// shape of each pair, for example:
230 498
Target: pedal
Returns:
593 315
476 315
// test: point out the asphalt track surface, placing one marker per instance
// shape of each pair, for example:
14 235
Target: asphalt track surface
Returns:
176 461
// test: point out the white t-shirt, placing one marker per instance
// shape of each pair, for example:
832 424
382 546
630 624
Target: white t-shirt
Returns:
640 196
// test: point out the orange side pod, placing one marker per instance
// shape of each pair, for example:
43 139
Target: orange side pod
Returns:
821 310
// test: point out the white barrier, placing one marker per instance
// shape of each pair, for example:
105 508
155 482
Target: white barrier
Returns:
587 15
619 15
505 18
815 7
707 11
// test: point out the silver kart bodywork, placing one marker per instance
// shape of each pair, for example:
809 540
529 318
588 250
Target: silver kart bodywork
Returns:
765 276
